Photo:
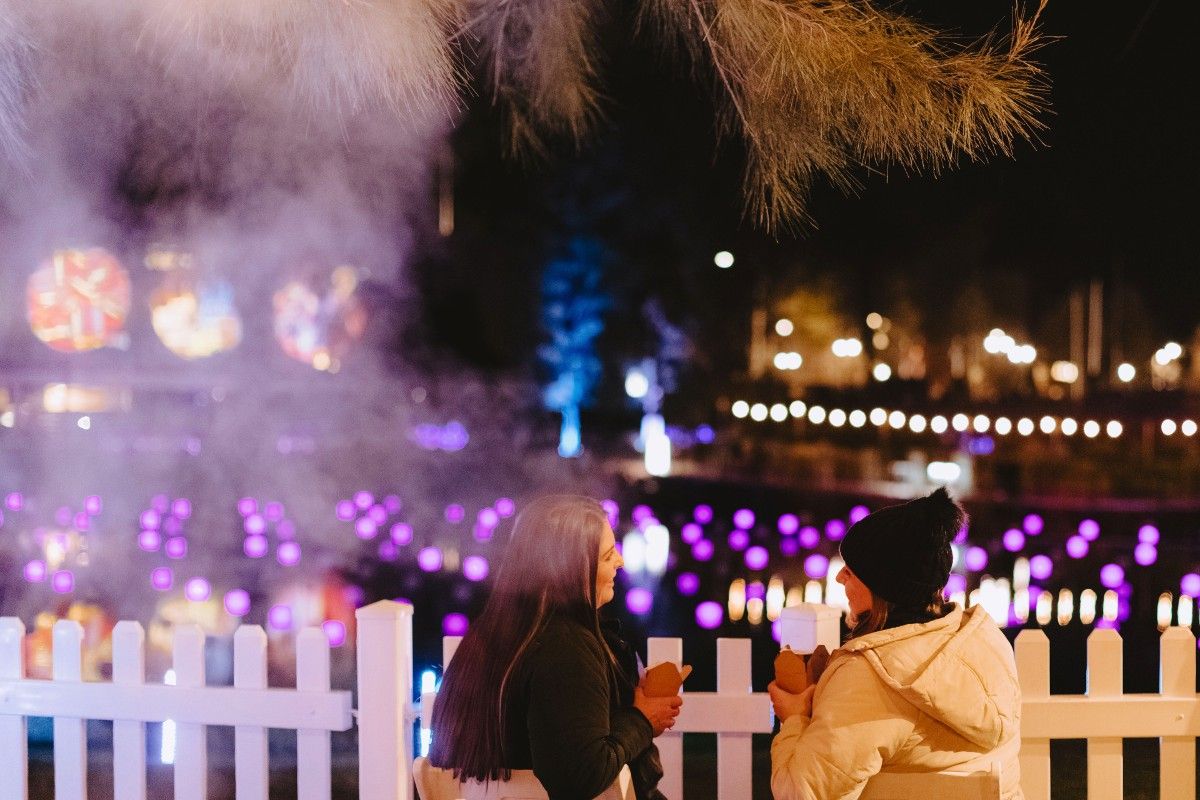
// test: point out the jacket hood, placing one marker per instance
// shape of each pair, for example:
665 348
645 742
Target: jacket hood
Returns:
959 670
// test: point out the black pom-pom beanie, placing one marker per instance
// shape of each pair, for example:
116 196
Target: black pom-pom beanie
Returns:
902 552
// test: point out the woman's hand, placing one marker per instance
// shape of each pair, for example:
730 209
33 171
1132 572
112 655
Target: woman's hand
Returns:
787 704
660 711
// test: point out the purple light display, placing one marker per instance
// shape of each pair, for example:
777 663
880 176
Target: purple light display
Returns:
335 632
1077 547
816 566
1112 576
430 559
1189 584
757 557
83 522
703 550
1033 524
344 510
402 533
377 514
961 536
288 553
14 501
365 528
255 546
789 524
35 571
975 559
247 506
149 541
1014 540
197 590
255 524
505 507
1041 567
709 615
835 529
280 617
703 514
176 547
393 504
1089 529
363 500
612 510
1148 534
150 519
475 568
237 602
455 513
777 630
743 518
182 508
858 513
688 583
1145 554
93 505
691 533
63 581
388 551
738 540
639 513
454 624
789 547
639 601
162 578
955 583
810 537
273 511
490 517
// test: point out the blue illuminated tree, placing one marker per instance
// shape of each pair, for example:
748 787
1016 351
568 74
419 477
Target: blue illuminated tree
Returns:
573 305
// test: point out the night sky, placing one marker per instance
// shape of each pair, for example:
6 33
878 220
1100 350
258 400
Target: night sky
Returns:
1108 193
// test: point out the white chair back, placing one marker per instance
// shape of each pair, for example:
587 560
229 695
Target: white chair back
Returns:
947 785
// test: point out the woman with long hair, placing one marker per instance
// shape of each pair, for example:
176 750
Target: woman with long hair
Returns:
536 684
920 685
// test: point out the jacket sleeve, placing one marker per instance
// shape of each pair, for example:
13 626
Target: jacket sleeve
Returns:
857 725
578 744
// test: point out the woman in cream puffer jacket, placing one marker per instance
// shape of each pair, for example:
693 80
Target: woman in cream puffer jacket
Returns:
921 685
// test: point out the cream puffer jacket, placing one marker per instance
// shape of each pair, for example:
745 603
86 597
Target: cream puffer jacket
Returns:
916 698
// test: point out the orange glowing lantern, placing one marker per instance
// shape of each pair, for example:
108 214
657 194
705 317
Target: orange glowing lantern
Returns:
319 330
78 300
195 317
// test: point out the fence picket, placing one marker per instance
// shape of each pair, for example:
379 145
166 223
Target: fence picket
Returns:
1105 757
70 733
191 752
1032 651
735 755
14 756
670 744
129 736
1177 678
385 739
251 774
314 773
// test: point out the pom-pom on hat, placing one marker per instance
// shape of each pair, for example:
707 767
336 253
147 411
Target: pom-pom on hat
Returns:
902 553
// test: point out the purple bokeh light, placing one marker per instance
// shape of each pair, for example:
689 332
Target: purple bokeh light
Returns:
789 524
488 517
363 500
709 615
1033 524
455 513
93 504
810 537
335 632
703 550
63 516
1077 547
162 578
475 568
255 546
1041 567
1014 540
1145 554
280 617
393 504
738 540
703 514
402 533
14 501
757 557
835 529
612 510
344 510
63 581
377 514
365 528
182 508
1189 584
777 630
388 551
255 523
640 513
1112 576
505 507
975 559
961 536
247 506
176 547
756 591
816 566
705 434
691 533
688 583
237 602
789 547
288 553
1148 534
743 518
149 541
955 583
273 511
83 522
430 559
150 519
1089 529
639 601
197 590
858 513
35 571
454 624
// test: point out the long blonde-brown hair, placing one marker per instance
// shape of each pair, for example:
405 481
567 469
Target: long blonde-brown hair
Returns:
883 613
549 568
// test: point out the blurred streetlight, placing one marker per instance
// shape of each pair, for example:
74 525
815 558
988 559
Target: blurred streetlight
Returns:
881 372
723 259
1126 372
784 327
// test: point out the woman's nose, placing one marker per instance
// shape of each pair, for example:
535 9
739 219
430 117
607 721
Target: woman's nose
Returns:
841 576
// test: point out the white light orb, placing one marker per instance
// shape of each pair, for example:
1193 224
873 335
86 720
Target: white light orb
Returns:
1068 426
797 408
897 419
1003 426
981 423
881 372
1091 429
916 423
723 259
1025 426
1188 427
758 412
960 422
637 385
1126 372
816 415
874 320
837 418
939 424
779 412
784 327
1168 427
878 416
1113 429
858 418
1047 424
740 409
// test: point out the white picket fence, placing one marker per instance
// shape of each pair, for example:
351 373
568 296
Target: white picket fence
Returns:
387 715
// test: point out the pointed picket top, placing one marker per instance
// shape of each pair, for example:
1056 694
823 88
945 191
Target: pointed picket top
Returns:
1032 652
12 648
1105 661
384 609
68 650
128 646
1177 664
